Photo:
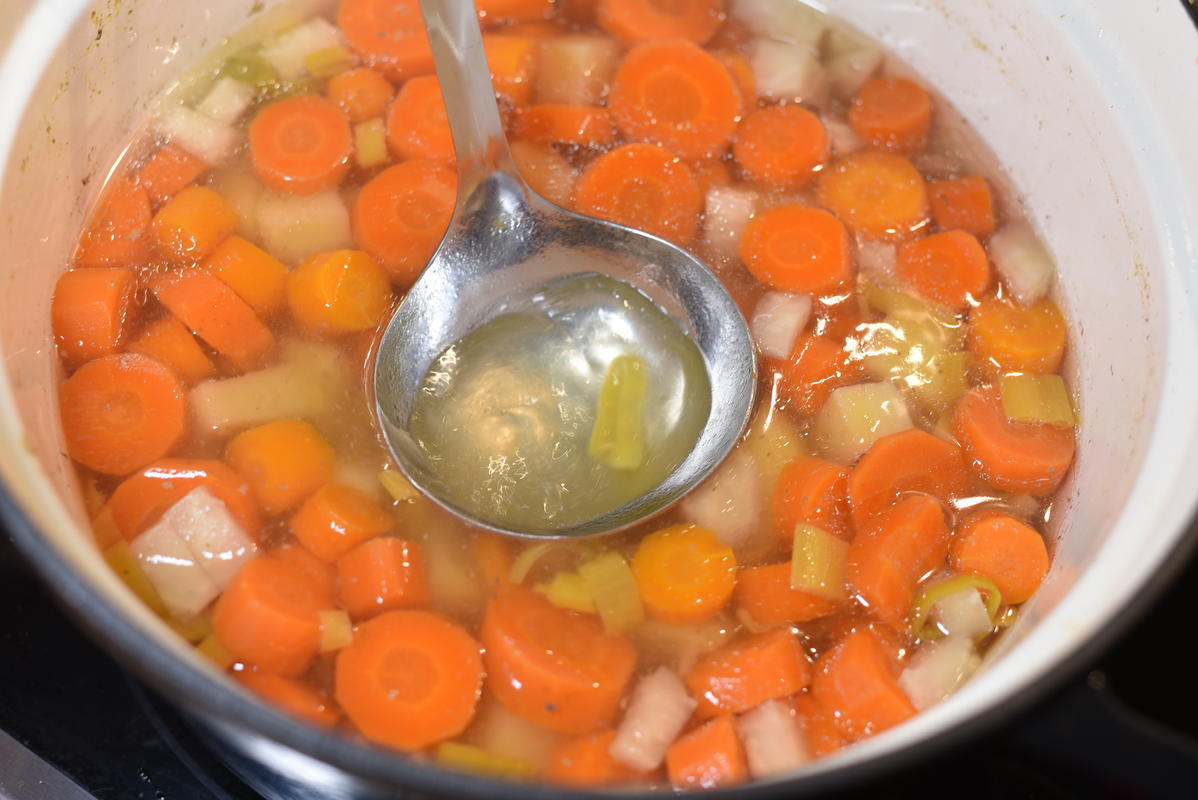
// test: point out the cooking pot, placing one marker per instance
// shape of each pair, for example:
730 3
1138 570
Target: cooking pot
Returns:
1090 105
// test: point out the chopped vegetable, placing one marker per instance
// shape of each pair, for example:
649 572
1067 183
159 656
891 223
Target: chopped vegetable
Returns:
963 613
192 224
336 630
811 491
301 145
1006 338
878 195
726 212
362 93
330 61
788 72
818 562
796 248
910 461
850 61
937 669
169 171
931 598
876 259
338 293
784 19
680 646
857 416
295 227
370 143
576 69
502 733
1005 550
774 440
949 268
658 710
778 320
749 671
284 462
1023 262
613 591
289 52
855 685
416 123
143 498
382 574
474 759
295 697
227 101
618 436
892 114
781 146
685 573
335 519
257 277
403 243
397 486
772 739
198 133
963 204
91 312
116 235
709 757
586 762
729 502
570 591
184 586
241 190
249 68
1037 398
766 596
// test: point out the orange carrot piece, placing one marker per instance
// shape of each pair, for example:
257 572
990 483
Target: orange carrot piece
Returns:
192 224
742 72
652 20
586 762
291 696
948 268
855 685
383 574
493 557
685 574
301 145
766 595
1025 457
401 215
323 575
388 34
283 461
550 175
168 172
796 248
677 95
121 412
409 679
345 291
335 519
781 146
579 12
888 560
819 727
878 195
168 340
141 499
963 204
513 63
1006 338
811 491
91 311
255 275
642 186
817 365
582 126
500 11
711 172
553 667
416 124
892 114
536 29
910 461
709 757
214 312
362 93
118 234
1007 551
749 671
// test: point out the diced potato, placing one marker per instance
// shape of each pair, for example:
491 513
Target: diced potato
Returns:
211 141
727 212
184 586
854 417
577 69
359 475
787 71
877 258
783 19
219 544
287 51
937 669
1023 261
227 100
240 188
730 502
294 227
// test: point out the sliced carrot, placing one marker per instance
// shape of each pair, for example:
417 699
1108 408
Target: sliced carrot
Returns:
1007 551
709 757
323 575
711 172
963 204
118 234
855 685
1024 457
345 291
550 175
892 114
878 195
554 667
578 11
291 696
410 679
362 93
582 126
283 461
781 146
91 311
335 519
1006 338
388 34
383 574
513 64
121 412
811 491
416 124
536 29
192 224
685 574
889 559
766 595
141 499
910 461
301 145
168 340
817 365
749 671
214 312
677 95
819 727
796 248
500 11
642 186
652 20
402 213
255 275
742 72
269 617
586 762
169 171
493 557
949 268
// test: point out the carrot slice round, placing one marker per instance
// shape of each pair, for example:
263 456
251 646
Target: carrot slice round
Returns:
782 146
587 762
284 461
910 461
388 34
169 171
949 268
963 204
892 114
796 248
685 574
217 315
255 275
749 671
417 126
383 574
583 126
1007 551
709 757
118 234
336 518
301 145
817 365
766 595
142 498
322 575
652 20
363 93
878 195
192 224
91 311
1006 338
294 697
812 491
336 293
168 340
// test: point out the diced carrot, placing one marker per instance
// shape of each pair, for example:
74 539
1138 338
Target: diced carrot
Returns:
766 595
553 667
91 311
796 248
323 575
192 224
141 499
892 114
710 173
363 93
121 412
781 146
811 491
269 617
819 727
335 519
499 11
888 559
878 195
652 20
742 72
293 697
749 671
1006 338
255 275
536 29
910 461
1024 457
949 268
493 556
583 126
642 186
214 312
169 171
402 213
1007 551
118 234
283 461
388 34
817 365
301 145
410 679
677 95
709 757
685 574
382 574
513 64
168 340
549 175
345 291
963 204
586 762
854 684
416 124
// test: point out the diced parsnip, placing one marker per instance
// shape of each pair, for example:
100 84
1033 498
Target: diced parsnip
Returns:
211 141
1037 398
962 613
241 190
1023 262
774 440
778 320
468 758
370 143
286 51
850 60
727 211
453 582
842 138
680 646
336 630
787 71
854 417
618 436
772 740
168 562
877 258
294 227
122 561
506 735
783 19
659 709
937 669
219 545
227 100
818 562
614 591
729 503
576 69
397 486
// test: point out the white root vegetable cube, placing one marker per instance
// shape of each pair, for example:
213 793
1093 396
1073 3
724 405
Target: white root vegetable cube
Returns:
211 141
227 101
788 71
783 19
729 503
726 214
287 51
240 189
937 669
772 740
216 540
659 709
962 613
854 417
1023 262
169 564
576 70
778 320
294 227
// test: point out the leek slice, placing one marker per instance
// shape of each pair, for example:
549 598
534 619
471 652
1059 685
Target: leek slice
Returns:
527 559
468 758
328 62
568 590
1037 398
251 69
618 438
921 607
370 143
818 562
336 630
614 592
211 649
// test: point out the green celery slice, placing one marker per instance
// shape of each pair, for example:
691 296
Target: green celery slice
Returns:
618 437
469 758
370 143
614 592
1027 397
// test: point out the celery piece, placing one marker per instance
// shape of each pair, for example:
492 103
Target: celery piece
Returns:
249 68
818 562
397 486
336 630
468 758
618 438
328 62
568 590
921 607
1037 398
614 592
125 565
211 649
370 143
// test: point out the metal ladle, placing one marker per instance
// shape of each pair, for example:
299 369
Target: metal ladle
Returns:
504 244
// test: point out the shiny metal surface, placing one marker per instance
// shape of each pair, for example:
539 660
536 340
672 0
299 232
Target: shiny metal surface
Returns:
504 243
